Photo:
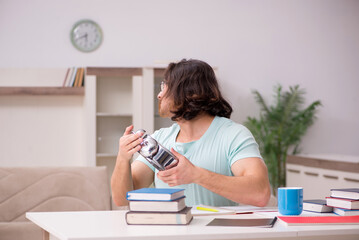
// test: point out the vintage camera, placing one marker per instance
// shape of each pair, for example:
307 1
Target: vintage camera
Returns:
156 154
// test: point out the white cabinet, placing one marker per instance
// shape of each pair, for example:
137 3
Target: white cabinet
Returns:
114 99
318 174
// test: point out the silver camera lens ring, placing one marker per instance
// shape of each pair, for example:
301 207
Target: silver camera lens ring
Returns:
156 154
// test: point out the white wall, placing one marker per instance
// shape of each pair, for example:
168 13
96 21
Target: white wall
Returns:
42 131
254 44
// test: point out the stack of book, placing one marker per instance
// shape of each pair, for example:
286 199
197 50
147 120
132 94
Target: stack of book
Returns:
345 201
342 201
158 206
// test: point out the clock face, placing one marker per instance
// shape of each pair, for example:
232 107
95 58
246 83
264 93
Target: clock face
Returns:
86 35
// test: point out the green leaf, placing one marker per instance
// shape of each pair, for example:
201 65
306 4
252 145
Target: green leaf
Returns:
281 126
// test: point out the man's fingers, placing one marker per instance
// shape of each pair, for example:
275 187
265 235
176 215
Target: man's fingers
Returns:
134 150
173 164
166 173
133 139
174 152
136 143
128 130
177 155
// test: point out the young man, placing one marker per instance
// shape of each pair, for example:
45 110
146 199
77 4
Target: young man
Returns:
219 163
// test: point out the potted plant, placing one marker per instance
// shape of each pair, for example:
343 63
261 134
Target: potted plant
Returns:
280 128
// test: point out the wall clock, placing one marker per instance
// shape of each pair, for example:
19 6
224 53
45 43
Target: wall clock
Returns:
86 35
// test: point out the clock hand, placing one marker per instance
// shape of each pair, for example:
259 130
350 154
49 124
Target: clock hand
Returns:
83 36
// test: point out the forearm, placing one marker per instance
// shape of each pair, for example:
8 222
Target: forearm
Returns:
249 185
121 181
247 189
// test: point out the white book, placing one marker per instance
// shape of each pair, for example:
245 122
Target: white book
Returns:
349 193
342 203
73 77
316 205
69 76
158 206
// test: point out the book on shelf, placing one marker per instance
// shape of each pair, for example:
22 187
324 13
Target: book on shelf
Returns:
73 77
70 76
82 83
77 78
80 76
158 206
66 77
349 193
155 194
182 217
318 220
343 203
317 205
346 212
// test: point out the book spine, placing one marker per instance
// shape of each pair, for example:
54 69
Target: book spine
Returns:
66 76
69 77
71 84
77 77
81 78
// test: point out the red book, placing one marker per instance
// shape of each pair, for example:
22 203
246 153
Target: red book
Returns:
342 203
310 220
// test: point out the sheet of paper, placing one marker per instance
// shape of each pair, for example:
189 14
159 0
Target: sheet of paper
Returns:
247 208
218 211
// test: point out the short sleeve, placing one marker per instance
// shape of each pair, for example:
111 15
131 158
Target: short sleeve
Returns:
243 145
142 159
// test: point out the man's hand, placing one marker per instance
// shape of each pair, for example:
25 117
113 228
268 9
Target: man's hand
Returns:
129 144
183 173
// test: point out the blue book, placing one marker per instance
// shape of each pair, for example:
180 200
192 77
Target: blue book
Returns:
155 194
346 212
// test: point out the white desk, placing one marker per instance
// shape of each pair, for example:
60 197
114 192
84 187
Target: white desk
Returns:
111 225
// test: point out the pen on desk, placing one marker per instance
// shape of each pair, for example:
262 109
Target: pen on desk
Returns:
244 212
207 209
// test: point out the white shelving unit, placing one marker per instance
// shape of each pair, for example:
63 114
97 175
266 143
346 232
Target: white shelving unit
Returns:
113 112
75 126
114 99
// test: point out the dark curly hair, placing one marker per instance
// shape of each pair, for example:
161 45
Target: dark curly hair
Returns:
193 86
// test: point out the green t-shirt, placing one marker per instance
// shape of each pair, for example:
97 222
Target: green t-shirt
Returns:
221 145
